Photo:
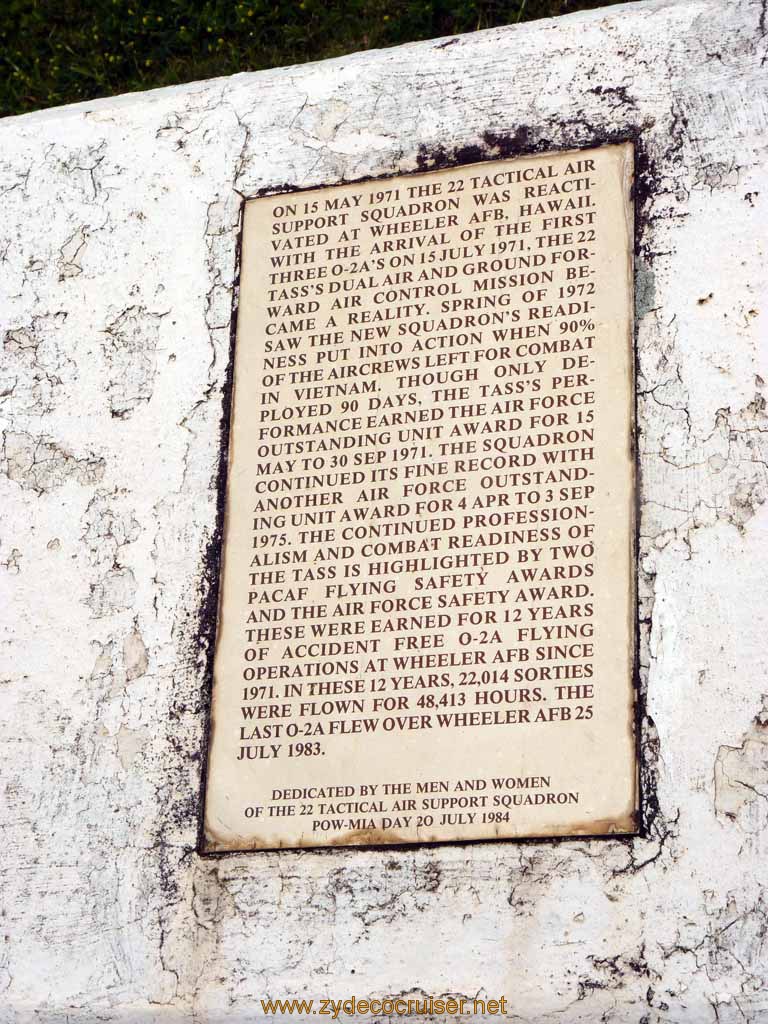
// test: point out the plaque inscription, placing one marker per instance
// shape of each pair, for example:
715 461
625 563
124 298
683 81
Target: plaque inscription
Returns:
426 620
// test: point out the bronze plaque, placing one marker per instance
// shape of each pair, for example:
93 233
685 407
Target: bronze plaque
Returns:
426 618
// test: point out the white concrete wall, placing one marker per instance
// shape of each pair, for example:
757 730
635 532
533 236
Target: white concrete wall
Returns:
117 251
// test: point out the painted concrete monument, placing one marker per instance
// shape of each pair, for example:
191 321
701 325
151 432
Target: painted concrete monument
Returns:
151 349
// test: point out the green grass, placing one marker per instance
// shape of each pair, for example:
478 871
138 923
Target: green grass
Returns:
63 51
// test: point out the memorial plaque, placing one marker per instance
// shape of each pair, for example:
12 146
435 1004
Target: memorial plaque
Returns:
426 619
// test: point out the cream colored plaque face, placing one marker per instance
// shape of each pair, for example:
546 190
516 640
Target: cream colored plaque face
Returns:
426 618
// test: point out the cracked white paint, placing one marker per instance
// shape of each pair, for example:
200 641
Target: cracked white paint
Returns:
130 350
117 249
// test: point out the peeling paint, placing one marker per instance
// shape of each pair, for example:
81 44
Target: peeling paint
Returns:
741 777
135 656
113 593
41 465
130 350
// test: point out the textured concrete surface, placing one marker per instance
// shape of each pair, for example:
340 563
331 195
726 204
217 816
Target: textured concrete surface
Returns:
117 255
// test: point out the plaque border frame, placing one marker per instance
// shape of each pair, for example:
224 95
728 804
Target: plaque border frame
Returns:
429 160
